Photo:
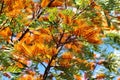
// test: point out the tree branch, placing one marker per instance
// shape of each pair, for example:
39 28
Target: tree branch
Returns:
41 12
59 42
54 57
77 14
2 7
65 4
23 34
49 64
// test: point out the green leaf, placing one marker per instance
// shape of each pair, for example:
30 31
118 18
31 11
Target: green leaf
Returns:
13 69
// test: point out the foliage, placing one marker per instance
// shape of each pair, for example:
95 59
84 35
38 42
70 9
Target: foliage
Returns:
59 39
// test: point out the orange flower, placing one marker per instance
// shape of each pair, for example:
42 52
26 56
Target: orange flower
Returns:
46 60
1 67
67 55
23 48
13 7
81 61
27 35
44 31
68 46
31 72
45 18
66 19
64 38
77 77
100 76
26 77
76 46
92 65
53 63
90 33
19 65
29 40
56 3
5 32
61 15
52 51
45 3
25 61
64 63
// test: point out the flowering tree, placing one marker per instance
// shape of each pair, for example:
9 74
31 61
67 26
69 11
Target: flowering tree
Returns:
59 39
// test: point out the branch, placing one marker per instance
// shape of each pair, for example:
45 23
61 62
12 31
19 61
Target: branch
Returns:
4 22
23 34
43 64
65 4
77 14
1 7
69 39
18 61
59 42
49 64
50 3
47 69
41 12
55 56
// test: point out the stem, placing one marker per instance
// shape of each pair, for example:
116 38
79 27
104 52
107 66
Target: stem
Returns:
59 42
50 3
43 64
59 46
4 22
49 64
23 34
1 7
40 13
77 14
65 4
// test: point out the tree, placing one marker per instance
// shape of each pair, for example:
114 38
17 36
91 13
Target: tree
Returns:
59 39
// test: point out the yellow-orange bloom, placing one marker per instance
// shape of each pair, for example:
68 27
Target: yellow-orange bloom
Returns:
52 51
67 55
65 63
5 32
56 3
26 77
19 65
100 76
77 77
45 3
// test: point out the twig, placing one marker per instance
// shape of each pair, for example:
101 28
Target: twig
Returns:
59 42
23 34
18 61
2 7
40 13
49 64
43 64
65 4
77 14
54 57
50 3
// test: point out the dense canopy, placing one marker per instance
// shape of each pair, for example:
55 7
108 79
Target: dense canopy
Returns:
59 39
